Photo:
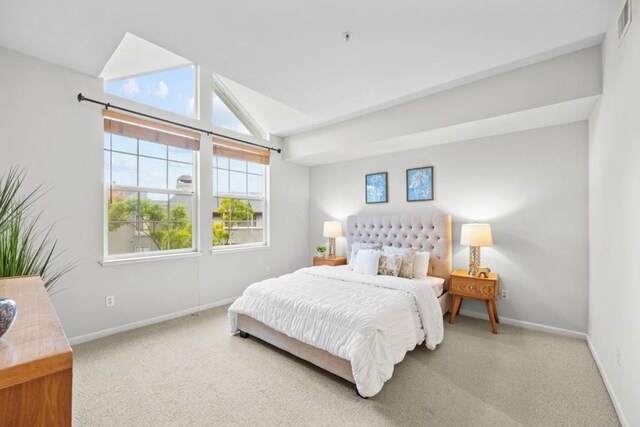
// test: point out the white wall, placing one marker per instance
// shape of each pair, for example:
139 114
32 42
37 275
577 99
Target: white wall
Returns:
614 229
530 186
536 94
59 142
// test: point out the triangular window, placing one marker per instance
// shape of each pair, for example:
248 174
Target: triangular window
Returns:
172 90
229 114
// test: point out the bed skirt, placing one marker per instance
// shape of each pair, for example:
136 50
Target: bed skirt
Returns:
321 358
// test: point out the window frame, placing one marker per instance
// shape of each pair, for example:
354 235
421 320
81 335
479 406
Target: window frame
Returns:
194 250
266 214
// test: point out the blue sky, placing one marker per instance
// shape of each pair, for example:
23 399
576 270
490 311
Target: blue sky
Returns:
172 90
225 118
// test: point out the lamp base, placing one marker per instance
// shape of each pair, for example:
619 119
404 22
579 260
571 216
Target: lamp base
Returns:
332 247
474 260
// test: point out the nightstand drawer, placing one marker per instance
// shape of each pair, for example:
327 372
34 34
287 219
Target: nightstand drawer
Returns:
474 288
333 261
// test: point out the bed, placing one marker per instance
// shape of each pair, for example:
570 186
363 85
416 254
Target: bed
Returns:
353 325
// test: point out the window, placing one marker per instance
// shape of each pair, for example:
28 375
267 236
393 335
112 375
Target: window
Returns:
172 90
239 187
229 114
149 174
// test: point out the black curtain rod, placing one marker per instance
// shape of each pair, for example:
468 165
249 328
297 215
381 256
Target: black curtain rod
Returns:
108 105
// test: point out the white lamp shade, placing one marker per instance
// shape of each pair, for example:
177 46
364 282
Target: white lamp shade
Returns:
476 235
332 229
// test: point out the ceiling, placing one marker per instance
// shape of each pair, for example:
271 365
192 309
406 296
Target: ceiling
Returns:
135 56
293 51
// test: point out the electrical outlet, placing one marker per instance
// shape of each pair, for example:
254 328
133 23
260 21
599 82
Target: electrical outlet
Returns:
619 356
267 270
109 301
504 294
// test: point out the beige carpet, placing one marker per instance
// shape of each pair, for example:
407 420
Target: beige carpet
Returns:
192 372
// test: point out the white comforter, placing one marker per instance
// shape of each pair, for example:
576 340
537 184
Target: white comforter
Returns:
372 321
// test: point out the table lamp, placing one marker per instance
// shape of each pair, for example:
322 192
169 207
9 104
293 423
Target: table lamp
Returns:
475 236
332 229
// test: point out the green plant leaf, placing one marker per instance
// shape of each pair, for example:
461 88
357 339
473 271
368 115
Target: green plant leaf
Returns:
25 250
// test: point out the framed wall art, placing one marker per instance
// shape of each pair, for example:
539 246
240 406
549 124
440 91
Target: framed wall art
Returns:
376 188
420 184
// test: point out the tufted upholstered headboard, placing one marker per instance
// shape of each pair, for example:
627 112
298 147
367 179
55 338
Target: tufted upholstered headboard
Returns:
422 232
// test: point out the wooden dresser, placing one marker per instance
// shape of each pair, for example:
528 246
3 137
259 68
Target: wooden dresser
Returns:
35 360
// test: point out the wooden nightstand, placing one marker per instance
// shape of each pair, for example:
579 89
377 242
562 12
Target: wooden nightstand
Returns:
333 261
479 288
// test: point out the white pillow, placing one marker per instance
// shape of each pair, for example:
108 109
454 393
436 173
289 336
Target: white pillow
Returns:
367 262
421 265
356 246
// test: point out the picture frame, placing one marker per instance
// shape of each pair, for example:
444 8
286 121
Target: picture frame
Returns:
420 184
376 188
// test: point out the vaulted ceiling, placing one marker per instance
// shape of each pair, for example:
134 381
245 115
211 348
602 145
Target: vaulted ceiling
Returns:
294 52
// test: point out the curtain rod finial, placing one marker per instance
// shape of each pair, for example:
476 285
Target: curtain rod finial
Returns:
80 97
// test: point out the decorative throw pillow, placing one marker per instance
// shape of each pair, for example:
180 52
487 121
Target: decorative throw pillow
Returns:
408 256
389 265
355 247
421 265
367 262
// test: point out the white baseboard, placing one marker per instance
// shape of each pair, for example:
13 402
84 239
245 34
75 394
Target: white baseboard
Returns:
607 384
528 325
134 325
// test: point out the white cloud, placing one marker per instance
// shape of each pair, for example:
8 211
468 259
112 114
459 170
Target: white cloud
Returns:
191 106
130 87
162 90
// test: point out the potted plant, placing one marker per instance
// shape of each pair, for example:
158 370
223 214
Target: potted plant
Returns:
26 248
321 250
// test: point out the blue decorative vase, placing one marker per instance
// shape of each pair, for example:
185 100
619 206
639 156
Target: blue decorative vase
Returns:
8 311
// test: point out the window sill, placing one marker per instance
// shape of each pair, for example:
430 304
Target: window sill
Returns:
136 260
232 249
